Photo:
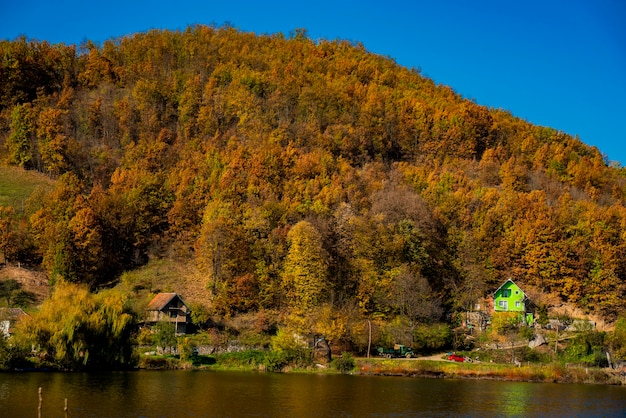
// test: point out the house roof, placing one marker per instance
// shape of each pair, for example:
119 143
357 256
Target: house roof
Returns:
161 300
12 314
512 282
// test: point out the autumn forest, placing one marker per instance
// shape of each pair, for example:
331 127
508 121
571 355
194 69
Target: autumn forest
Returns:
311 179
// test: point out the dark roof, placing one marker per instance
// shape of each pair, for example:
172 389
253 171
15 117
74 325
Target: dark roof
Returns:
161 300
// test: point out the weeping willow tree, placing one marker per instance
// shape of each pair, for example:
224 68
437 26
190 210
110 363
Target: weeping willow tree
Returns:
76 329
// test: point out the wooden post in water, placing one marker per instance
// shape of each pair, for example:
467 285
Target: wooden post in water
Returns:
65 408
369 340
39 407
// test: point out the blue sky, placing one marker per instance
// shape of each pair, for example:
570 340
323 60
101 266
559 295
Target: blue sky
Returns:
553 63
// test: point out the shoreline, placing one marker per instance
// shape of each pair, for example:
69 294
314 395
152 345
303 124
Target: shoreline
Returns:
418 368
533 373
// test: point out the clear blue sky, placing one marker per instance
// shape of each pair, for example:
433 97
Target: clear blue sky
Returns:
554 63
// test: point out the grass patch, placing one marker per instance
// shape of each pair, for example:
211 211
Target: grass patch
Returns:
17 184
244 360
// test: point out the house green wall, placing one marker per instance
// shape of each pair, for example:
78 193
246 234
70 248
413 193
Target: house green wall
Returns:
509 298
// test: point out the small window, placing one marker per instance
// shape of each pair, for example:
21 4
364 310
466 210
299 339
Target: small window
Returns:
517 292
506 293
518 304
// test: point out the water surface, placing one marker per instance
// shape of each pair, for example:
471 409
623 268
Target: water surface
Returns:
239 394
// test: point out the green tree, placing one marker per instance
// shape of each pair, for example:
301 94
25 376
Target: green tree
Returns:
186 347
9 289
20 142
165 335
11 356
429 338
618 339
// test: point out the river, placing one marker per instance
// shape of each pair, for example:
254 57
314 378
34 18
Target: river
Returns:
243 394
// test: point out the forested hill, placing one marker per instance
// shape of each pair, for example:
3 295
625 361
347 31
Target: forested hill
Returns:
298 174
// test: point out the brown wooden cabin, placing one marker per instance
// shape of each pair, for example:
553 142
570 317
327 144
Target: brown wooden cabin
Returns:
169 307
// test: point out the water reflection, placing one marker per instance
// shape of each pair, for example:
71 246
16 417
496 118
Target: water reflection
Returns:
222 394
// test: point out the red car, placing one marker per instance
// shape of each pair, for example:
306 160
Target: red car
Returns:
455 357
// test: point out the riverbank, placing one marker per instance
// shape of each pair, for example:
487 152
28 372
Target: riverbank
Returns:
428 368
545 373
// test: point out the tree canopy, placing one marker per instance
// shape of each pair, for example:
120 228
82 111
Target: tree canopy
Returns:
300 171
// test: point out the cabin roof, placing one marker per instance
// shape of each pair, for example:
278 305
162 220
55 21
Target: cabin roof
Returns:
161 300
507 281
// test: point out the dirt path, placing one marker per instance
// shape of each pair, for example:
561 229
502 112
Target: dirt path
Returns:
435 357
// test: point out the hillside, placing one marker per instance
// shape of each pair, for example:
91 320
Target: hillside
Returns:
297 176
33 284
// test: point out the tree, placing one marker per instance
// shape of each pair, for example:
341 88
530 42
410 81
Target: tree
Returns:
8 289
69 234
76 329
8 238
20 142
53 142
412 296
305 269
50 227
165 335
213 251
618 339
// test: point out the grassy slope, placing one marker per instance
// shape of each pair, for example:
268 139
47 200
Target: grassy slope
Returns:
17 184
167 275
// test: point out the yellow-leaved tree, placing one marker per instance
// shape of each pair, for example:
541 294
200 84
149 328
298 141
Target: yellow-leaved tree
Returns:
305 272
76 329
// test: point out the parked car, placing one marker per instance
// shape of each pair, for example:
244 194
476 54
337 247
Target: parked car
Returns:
459 359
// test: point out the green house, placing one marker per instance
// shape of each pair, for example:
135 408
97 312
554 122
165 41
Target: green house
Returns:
509 298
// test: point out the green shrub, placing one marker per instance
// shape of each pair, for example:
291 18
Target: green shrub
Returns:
343 364
587 348
252 338
277 360
533 356
186 348
10 355
286 340
145 337
241 358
